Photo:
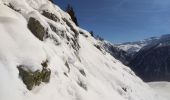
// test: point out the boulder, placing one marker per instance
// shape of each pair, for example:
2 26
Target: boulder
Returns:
31 79
36 28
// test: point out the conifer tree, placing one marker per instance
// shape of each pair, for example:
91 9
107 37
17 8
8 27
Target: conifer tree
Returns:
92 34
71 12
51 1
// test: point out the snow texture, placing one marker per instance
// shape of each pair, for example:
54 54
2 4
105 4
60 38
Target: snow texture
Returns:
162 88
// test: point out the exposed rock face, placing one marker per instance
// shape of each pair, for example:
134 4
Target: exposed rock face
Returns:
50 16
98 46
36 28
74 40
71 27
84 34
32 79
82 72
12 7
82 85
152 63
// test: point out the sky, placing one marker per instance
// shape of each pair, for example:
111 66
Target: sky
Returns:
122 20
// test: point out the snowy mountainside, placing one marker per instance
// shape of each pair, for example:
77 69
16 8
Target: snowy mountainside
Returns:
125 52
44 56
151 63
133 47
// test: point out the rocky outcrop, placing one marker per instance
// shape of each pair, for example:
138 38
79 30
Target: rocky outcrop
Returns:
36 28
50 16
12 7
74 41
31 79
71 27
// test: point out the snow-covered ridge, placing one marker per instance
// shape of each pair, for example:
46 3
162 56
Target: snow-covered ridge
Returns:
132 47
125 52
79 70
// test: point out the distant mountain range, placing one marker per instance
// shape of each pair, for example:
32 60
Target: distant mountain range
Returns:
149 58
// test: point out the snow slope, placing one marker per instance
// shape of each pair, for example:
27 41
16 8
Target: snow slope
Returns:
79 70
162 88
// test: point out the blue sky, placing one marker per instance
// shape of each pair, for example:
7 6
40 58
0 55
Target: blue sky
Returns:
122 20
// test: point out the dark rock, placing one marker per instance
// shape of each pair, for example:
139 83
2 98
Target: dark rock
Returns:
67 65
68 39
12 7
27 77
65 74
73 41
75 45
36 28
62 35
52 37
53 28
50 16
82 72
71 27
45 75
45 64
84 34
31 79
81 84
124 89
46 72
100 48
37 77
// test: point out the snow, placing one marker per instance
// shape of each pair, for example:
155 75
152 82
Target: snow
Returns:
105 77
162 88
133 47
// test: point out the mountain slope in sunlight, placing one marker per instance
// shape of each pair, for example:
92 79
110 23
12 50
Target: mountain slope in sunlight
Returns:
44 55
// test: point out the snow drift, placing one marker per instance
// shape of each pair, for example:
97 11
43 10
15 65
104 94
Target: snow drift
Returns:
80 69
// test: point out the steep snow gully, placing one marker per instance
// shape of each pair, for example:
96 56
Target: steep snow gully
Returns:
45 56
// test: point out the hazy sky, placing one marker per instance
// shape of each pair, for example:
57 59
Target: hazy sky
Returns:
122 20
